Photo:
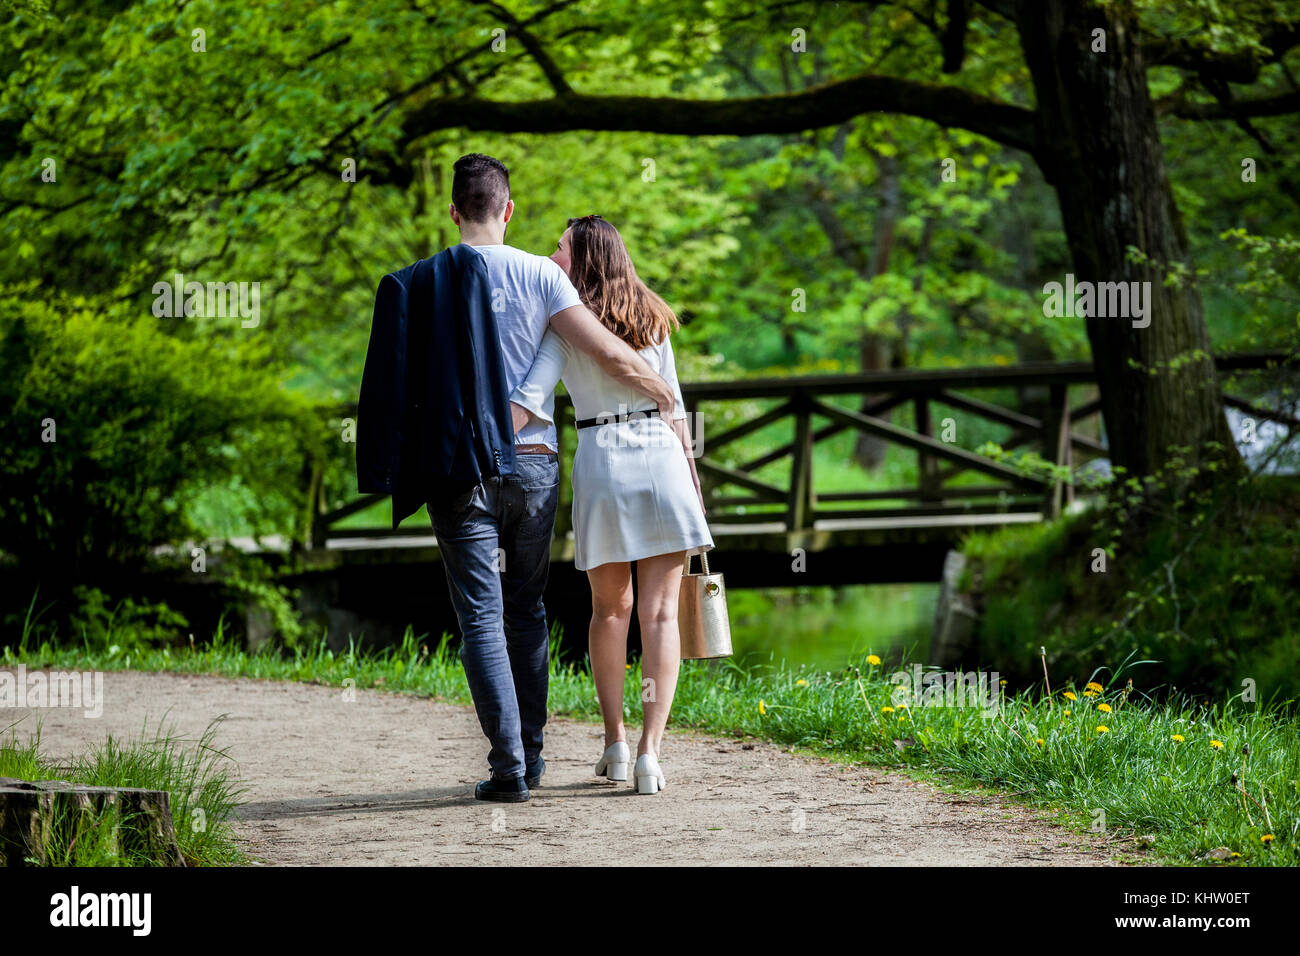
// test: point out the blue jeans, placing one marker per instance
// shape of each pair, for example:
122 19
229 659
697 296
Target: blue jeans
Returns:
495 542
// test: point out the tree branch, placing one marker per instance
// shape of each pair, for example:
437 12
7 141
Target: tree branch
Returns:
1004 8
1278 105
954 35
1242 66
548 66
819 106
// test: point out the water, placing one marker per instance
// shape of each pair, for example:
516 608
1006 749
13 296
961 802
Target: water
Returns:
825 628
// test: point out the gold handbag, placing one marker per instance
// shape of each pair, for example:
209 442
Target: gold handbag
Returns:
702 614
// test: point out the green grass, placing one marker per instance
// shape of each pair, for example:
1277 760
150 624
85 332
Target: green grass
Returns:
1209 600
195 773
1178 798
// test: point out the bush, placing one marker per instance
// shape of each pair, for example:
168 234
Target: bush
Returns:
115 424
98 622
124 435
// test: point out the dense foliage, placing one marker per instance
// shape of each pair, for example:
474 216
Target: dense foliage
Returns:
306 147
118 426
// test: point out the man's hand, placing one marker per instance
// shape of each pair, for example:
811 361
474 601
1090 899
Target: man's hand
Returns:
519 416
665 399
577 326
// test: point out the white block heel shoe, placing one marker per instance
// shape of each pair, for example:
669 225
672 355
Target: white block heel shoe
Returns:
649 778
613 764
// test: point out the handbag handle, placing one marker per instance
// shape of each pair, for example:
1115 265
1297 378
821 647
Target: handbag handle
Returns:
704 562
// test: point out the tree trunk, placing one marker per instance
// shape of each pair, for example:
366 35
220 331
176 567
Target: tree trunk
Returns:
876 351
1101 151
876 354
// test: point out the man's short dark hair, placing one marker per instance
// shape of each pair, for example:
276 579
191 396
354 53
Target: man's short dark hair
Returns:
480 187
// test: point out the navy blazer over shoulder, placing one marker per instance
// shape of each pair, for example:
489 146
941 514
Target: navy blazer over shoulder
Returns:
434 406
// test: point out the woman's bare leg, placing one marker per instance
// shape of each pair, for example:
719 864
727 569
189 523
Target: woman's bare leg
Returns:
611 613
659 582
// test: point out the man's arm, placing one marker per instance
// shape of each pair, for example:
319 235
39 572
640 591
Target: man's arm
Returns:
619 360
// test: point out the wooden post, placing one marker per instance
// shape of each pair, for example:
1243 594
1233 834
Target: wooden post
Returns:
799 512
311 531
1056 445
1065 448
927 465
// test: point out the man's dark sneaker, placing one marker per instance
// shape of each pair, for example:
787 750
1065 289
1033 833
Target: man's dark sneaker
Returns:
511 790
533 775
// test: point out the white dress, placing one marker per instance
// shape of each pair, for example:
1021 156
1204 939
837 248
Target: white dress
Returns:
633 496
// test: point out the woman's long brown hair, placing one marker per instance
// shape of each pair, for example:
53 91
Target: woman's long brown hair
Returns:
602 272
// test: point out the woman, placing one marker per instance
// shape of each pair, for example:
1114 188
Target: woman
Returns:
636 494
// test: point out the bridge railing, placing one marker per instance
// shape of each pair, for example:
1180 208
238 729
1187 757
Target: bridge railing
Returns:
818 408
757 439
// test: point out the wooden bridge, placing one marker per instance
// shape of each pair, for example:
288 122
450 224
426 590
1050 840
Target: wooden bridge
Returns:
787 505
756 453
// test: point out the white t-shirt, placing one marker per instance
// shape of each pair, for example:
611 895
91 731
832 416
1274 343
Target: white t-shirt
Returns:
526 290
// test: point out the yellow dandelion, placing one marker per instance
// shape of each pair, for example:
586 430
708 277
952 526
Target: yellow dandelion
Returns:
1236 855
1090 693
1069 695
1266 838
1067 712
1002 683
1216 744
1103 729
1093 685
873 660
627 667
886 710
1177 738
1104 708
1039 741
762 707
801 683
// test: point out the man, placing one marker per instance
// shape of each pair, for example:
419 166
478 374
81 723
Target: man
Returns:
495 537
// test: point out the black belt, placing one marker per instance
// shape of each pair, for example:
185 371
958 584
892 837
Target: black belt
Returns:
621 417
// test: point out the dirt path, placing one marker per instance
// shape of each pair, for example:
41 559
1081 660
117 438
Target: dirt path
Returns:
387 779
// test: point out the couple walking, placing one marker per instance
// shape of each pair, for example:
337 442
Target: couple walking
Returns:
456 412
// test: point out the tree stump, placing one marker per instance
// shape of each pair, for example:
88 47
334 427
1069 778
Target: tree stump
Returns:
42 820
